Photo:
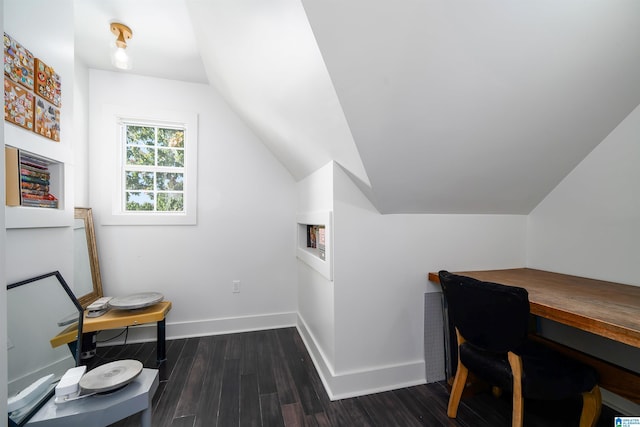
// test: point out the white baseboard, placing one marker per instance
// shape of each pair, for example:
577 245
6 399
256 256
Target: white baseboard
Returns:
201 328
619 404
343 385
339 385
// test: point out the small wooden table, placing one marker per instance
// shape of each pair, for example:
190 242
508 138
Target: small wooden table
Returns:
115 318
609 309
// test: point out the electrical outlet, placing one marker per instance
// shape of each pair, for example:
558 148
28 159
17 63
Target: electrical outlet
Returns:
236 287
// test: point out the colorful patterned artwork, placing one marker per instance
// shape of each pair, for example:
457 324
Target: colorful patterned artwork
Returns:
47 83
39 111
18 62
47 120
18 105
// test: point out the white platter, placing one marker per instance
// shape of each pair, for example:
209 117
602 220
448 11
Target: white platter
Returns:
134 301
110 376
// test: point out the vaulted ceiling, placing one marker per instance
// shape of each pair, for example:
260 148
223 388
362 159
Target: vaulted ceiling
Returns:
437 106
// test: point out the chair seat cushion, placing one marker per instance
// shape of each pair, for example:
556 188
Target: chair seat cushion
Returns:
547 374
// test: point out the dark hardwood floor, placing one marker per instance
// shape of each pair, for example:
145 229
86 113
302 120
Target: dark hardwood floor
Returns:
266 378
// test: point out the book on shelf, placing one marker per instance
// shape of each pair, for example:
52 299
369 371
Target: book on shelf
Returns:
35 180
35 192
321 244
311 236
31 196
40 203
33 172
33 162
33 186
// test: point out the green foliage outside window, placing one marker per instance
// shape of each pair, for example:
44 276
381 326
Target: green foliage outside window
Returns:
138 201
171 138
140 156
154 169
169 157
141 135
137 180
170 202
169 181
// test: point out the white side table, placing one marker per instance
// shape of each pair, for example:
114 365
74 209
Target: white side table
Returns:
101 410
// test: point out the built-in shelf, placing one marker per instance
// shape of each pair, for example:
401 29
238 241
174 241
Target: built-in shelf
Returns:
315 241
17 214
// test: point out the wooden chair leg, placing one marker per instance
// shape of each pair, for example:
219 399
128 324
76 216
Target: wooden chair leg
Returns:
591 406
518 402
459 382
456 390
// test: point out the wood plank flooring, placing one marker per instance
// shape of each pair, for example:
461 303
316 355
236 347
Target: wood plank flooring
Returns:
266 378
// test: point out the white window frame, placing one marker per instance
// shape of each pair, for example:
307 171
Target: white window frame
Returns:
146 168
116 117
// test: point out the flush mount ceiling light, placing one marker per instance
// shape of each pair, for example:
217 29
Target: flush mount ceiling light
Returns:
119 57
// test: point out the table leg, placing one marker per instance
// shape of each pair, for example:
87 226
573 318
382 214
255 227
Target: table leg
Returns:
145 417
161 342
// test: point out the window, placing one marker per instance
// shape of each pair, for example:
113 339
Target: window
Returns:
144 164
153 168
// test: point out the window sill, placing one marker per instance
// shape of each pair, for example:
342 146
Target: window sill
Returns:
149 219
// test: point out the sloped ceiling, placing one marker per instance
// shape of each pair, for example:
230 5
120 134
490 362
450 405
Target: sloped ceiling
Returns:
435 106
262 57
470 106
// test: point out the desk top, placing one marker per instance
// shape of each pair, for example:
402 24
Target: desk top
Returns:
604 308
114 318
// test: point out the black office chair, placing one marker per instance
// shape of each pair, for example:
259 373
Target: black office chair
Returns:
492 322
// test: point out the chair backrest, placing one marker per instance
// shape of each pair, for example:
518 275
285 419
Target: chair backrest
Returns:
489 315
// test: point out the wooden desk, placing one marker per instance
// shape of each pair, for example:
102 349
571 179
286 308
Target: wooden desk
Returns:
604 308
608 309
122 318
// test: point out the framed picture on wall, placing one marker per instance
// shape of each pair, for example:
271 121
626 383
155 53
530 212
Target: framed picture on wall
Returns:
47 83
47 120
18 62
18 105
32 91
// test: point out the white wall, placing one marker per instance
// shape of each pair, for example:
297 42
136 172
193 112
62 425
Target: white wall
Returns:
381 264
381 267
81 134
49 249
316 292
589 225
246 215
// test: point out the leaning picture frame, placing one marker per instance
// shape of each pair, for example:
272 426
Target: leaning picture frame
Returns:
38 310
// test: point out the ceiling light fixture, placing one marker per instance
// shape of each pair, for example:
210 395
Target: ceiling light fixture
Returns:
119 57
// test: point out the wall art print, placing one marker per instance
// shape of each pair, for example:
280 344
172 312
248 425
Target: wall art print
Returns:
47 120
47 83
18 62
18 105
